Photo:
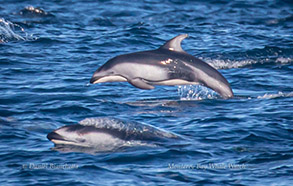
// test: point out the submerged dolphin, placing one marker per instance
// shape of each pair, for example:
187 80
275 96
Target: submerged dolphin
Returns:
104 134
167 65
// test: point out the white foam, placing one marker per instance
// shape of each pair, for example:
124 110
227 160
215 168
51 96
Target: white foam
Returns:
272 96
284 60
226 64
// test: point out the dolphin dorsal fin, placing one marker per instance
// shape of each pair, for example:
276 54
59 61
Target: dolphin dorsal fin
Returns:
175 43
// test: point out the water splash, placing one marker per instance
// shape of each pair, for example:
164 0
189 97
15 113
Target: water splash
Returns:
278 95
193 92
227 64
12 32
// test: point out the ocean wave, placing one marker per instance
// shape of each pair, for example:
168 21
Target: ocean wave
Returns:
197 92
280 21
256 56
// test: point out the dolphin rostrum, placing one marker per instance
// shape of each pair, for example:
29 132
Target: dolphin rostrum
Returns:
167 65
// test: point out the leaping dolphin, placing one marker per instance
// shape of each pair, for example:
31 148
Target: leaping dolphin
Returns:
167 65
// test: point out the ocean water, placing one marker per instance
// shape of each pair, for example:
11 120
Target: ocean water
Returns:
50 49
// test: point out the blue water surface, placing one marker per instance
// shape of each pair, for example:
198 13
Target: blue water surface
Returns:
50 49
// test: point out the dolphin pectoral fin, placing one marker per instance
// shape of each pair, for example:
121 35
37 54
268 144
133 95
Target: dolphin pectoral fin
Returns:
139 83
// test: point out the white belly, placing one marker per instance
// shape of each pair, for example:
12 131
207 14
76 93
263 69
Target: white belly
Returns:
174 82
